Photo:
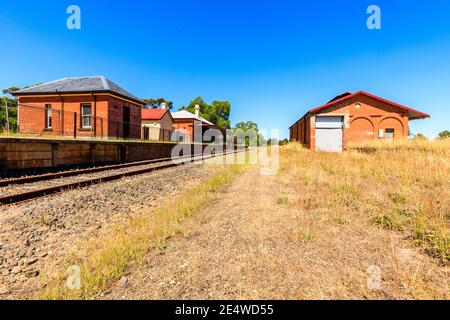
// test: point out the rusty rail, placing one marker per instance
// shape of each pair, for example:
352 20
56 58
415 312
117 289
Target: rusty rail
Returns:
72 173
30 195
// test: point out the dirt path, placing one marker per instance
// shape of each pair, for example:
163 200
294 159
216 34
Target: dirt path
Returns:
251 244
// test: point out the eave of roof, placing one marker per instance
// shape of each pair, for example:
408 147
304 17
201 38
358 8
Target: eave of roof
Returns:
208 124
79 85
137 101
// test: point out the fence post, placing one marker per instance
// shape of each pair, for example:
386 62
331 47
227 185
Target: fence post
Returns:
75 125
7 117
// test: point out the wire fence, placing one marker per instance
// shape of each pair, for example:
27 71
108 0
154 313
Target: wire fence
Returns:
45 121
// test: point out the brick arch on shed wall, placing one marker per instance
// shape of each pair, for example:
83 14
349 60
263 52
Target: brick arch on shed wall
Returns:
361 128
393 123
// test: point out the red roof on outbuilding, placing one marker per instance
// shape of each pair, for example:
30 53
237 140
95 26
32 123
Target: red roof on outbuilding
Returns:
153 114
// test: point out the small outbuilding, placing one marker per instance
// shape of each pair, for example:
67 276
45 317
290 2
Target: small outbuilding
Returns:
157 124
353 117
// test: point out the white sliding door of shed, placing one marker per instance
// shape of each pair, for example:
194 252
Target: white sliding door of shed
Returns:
329 134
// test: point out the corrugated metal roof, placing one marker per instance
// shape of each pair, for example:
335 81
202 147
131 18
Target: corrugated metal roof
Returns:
153 114
184 114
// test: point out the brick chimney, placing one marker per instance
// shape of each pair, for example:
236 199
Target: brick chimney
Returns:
197 110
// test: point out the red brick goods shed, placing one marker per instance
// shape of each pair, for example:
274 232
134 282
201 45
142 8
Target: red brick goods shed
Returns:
352 118
81 107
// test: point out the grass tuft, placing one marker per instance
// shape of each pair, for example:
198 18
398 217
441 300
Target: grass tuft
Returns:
307 234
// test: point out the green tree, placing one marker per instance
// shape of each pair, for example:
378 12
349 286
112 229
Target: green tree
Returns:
10 90
156 103
12 114
218 112
420 136
444 134
247 125
197 101
250 125
12 109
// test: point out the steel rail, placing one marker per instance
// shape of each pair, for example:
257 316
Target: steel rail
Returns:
47 191
72 173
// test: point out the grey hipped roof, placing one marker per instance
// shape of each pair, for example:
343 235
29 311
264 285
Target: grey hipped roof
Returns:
81 84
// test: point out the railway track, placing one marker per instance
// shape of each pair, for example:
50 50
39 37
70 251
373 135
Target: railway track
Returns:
116 172
71 173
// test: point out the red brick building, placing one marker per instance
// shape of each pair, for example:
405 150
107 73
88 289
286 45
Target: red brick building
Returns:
86 106
185 122
352 118
157 124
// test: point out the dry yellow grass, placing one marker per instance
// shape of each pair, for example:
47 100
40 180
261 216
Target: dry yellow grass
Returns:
103 260
307 233
402 186
382 203
312 232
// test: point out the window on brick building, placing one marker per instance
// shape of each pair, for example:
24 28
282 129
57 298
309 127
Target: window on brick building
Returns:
389 135
48 116
86 115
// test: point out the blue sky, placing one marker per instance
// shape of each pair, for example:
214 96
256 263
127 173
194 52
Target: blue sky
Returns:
273 60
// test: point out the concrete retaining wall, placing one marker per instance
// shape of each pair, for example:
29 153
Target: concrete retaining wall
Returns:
18 153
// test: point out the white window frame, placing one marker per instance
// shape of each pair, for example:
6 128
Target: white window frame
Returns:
48 116
83 116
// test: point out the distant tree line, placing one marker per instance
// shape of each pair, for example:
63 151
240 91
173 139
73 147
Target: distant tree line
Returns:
157 103
218 112
441 135
444 134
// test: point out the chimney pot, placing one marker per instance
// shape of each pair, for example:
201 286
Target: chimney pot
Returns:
163 106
